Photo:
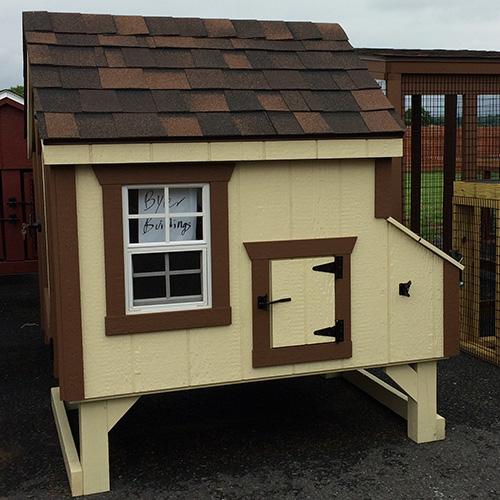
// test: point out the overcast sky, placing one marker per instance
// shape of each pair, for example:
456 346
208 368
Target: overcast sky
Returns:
443 24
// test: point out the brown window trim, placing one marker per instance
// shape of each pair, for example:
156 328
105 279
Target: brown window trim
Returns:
112 178
260 254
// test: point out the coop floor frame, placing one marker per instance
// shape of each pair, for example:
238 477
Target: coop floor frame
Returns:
88 469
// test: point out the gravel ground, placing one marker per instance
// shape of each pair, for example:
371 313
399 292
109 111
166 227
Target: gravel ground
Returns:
303 438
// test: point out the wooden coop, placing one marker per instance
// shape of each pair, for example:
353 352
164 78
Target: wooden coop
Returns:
216 201
18 250
477 223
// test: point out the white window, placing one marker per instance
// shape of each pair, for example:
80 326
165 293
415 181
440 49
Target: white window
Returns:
167 247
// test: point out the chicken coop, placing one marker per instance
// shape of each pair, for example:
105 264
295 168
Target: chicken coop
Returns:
216 204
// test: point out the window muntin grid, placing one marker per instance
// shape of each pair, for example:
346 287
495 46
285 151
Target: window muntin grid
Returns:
167 249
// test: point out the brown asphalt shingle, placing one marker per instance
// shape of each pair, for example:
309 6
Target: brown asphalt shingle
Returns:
285 124
169 101
205 101
242 100
219 28
122 78
237 60
61 125
272 101
41 37
80 78
104 77
312 123
93 126
57 100
204 58
181 125
304 31
253 124
131 25
67 23
45 76
99 23
171 79
99 101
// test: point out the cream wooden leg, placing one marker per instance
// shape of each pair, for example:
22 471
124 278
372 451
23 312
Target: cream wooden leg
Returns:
418 402
97 418
94 457
419 381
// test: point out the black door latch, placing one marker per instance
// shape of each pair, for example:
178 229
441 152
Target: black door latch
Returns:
262 302
404 289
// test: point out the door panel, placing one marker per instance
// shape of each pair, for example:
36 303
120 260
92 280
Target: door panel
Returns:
319 299
312 306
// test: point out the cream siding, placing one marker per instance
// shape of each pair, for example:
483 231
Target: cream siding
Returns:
270 201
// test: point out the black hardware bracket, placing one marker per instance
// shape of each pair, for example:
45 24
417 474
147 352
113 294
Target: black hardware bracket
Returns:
336 267
12 202
12 219
404 289
262 302
336 331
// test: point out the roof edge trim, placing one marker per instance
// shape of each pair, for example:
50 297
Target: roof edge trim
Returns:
425 243
119 153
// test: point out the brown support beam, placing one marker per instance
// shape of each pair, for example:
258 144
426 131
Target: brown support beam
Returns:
416 161
449 160
396 98
469 137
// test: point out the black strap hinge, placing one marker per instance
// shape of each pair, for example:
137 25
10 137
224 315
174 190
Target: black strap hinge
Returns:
336 331
336 267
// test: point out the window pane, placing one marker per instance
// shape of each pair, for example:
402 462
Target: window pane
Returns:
149 288
148 262
133 230
185 284
152 201
151 230
180 261
184 200
133 203
186 228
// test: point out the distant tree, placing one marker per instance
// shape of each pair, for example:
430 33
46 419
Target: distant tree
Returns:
427 119
19 90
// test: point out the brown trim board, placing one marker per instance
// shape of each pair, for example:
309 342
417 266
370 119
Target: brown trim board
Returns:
112 178
66 284
384 193
261 253
451 327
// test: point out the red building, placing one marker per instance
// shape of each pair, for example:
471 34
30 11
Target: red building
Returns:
18 252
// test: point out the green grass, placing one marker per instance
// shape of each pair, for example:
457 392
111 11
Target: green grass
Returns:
431 205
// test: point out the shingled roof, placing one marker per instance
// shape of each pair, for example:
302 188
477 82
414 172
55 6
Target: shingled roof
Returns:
104 77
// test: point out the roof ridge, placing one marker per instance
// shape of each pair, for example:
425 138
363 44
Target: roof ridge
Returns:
70 22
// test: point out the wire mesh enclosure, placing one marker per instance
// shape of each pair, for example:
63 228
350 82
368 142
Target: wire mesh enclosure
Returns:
450 102
477 237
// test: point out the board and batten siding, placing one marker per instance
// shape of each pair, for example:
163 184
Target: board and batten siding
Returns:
269 201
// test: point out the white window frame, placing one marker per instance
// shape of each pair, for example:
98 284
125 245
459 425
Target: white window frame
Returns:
142 306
